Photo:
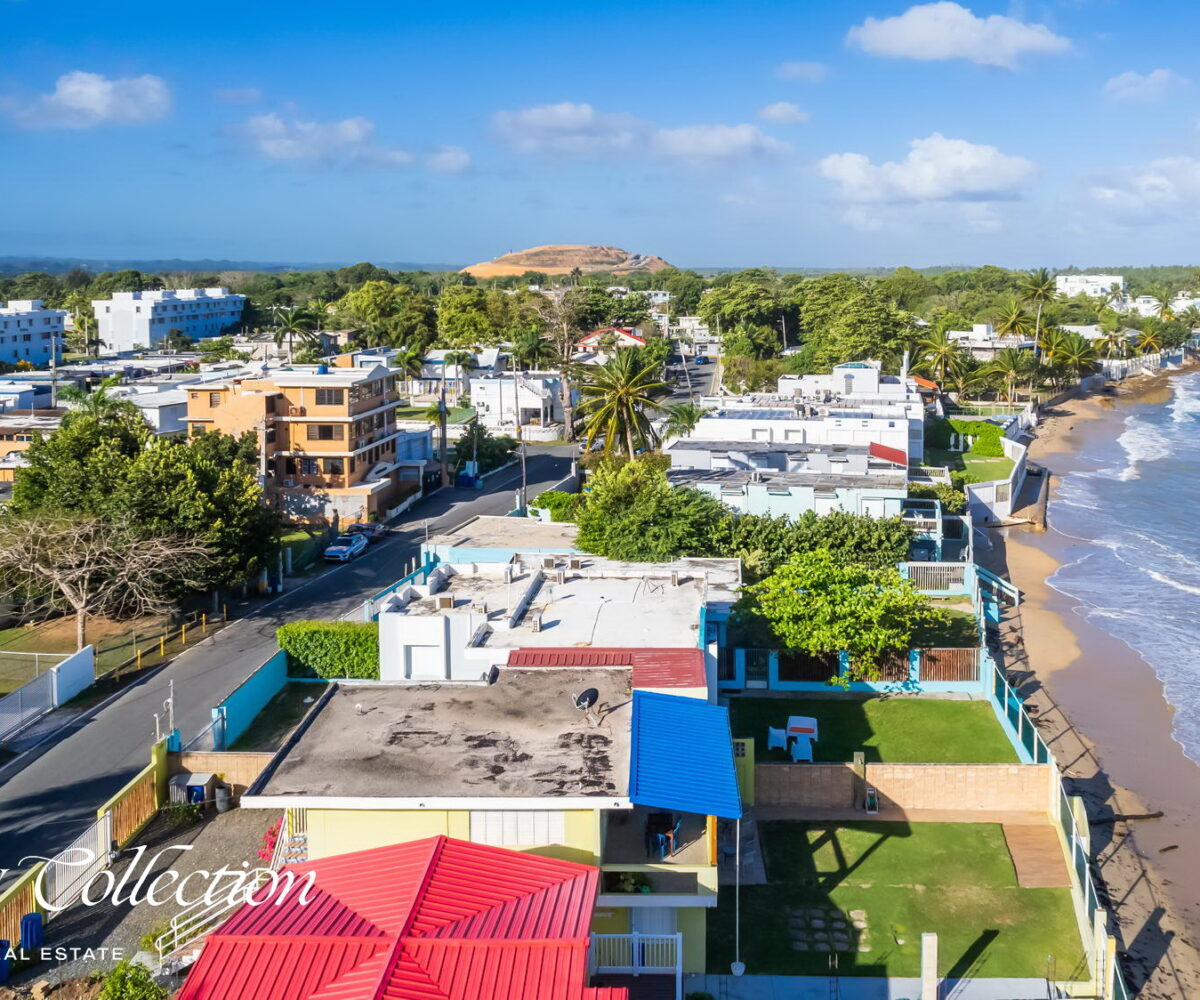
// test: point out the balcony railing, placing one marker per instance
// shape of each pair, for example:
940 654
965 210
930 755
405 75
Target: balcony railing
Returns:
638 954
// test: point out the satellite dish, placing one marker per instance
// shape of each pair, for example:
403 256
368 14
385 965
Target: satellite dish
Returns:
586 699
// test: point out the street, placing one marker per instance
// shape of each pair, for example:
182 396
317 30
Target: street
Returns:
43 807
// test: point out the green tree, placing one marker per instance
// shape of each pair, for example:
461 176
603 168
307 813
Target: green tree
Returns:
1038 288
818 604
1077 355
531 348
1114 343
682 419
131 982
291 325
1013 321
617 398
1011 365
411 362
939 355
463 319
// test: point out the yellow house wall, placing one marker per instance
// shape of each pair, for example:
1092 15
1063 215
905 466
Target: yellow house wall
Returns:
611 920
693 924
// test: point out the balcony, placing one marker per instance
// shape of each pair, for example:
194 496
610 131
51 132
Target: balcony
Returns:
626 841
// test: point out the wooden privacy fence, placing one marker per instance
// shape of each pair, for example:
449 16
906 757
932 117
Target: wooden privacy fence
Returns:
134 805
15 901
938 576
949 664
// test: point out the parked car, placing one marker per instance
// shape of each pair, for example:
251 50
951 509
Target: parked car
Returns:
372 530
345 548
702 360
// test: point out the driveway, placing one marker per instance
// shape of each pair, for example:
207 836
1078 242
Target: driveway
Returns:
45 806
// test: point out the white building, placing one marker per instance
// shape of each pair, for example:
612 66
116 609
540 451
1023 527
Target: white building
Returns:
164 408
511 399
137 320
984 343
695 338
30 332
1094 286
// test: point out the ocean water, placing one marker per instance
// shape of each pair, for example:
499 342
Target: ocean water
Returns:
1136 500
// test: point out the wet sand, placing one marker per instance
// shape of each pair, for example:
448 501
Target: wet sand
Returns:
1101 708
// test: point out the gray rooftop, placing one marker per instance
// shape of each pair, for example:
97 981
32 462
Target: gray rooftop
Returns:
522 533
768 447
518 737
771 477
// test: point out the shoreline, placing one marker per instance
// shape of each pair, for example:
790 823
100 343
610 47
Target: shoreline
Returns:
1103 711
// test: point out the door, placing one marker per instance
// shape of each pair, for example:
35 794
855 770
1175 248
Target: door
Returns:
656 945
873 507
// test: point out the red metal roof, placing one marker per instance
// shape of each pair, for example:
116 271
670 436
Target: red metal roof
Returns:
434 919
652 668
624 330
894 455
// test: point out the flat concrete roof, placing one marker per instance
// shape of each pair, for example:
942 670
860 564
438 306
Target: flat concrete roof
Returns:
769 477
600 604
519 737
768 447
31 420
493 532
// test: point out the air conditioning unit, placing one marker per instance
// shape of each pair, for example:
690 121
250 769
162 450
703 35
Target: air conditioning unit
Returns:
574 563
549 562
444 602
481 607
537 622
295 411
289 482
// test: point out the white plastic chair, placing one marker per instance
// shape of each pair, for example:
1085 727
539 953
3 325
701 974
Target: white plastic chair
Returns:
776 739
802 752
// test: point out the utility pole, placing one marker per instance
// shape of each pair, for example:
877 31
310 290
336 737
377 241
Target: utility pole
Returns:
442 434
524 483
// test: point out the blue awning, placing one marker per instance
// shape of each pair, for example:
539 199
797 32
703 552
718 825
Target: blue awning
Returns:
681 758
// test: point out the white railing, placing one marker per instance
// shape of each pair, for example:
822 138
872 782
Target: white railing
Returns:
637 954
26 704
193 922
938 576
65 877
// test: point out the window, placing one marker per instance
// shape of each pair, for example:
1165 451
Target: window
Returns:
331 397
333 466
214 399
308 467
517 827
324 432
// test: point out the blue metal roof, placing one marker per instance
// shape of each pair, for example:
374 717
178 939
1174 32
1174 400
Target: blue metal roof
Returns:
682 756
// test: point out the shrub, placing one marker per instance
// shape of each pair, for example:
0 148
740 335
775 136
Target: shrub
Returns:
331 649
952 499
986 443
131 982
560 503
181 815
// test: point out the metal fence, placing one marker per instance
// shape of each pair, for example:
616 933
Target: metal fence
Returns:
937 576
25 704
69 871
635 954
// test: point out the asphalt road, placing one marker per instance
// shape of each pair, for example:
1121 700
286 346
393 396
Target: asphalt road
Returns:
45 806
700 378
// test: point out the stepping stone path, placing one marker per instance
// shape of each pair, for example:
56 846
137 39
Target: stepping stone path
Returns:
824 929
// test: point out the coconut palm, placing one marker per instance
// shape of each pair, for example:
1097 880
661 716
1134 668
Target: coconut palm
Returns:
1114 344
966 381
1011 365
1163 297
617 396
1051 343
292 324
682 419
1014 321
1077 355
1149 341
1037 288
411 363
97 403
530 348
939 355
1190 317
464 361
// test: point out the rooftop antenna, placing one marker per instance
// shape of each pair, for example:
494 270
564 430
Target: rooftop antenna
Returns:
584 703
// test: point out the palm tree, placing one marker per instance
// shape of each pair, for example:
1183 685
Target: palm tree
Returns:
292 324
1011 365
411 363
464 361
96 403
1149 341
1051 343
617 396
1190 317
530 347
1077 355
939 355
682 419
1037 288
1114 344
966 381
1163 296
1013 321
576 276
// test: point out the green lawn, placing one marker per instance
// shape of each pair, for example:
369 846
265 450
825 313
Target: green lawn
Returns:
982 469
280 716
880 886
962 630
889 730
456 415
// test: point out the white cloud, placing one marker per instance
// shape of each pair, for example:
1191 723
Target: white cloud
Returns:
82 100
810 72
783 113
1162 190
946 30
349 141
1135 88
567 129
715 142
570 129
448 160
936 169
239 95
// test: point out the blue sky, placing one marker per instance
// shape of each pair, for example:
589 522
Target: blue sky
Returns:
792 134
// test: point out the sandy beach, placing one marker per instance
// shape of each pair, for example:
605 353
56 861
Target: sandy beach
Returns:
1101 708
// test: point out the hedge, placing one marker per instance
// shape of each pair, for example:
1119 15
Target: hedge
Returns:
952 499
560 503
986 435
331 649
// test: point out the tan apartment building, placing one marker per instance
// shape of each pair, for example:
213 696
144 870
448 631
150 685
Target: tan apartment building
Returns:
327 436
18 429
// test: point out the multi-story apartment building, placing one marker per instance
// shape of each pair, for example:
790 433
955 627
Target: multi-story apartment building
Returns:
30 332
328 438
133 320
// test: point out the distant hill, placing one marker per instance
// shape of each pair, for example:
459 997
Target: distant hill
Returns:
563 258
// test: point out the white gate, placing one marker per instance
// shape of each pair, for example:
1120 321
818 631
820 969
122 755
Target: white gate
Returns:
26 703
68 872
638 954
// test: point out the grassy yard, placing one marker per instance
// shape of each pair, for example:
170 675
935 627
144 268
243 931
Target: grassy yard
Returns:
867 891
962 630
982 469
888 730
280 716
456 414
